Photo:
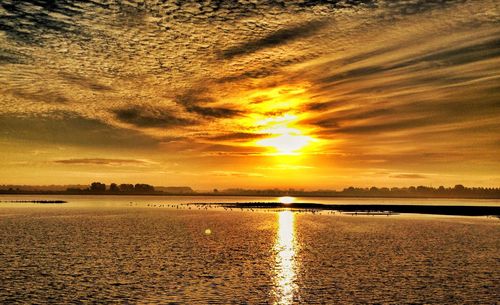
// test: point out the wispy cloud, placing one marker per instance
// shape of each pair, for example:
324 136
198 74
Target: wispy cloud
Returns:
105 161
409 176
236 174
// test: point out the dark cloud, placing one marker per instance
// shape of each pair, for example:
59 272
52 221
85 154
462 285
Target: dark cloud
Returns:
336 3
391 126
274 39
402 8
194 96
102 161
214 112
12 57
238 136
193 99
150 116
321 106
84 82
327 123
24 21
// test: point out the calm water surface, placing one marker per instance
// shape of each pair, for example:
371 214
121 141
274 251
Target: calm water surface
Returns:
139 250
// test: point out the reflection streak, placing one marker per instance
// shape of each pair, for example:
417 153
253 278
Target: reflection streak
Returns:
285 267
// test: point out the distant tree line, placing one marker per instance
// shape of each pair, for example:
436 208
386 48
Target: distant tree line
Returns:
458 191
98 187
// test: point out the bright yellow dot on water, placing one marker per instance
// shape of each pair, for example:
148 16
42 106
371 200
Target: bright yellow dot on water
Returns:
286 199
208 232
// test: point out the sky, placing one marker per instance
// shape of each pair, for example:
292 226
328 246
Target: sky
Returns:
254 94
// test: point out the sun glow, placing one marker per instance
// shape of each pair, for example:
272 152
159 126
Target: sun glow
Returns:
283 140
286 199
286 144
275 116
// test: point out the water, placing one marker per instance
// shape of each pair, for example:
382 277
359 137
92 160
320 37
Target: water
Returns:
96 200
138 250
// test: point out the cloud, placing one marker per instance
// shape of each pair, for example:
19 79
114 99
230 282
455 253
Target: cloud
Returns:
238 136
84 82
277 38
64 128
216 112
39 95
388 126
104 161
235 174
409 176
149 116
12 57
25 21
192 98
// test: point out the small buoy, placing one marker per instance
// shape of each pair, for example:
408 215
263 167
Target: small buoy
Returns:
208 232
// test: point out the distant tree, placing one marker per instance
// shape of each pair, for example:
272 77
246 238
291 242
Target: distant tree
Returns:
216 190
97 187
113 187
143 188
421 189
127 188
73 190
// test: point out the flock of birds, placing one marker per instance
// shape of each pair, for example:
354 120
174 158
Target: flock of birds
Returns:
259 207
230 207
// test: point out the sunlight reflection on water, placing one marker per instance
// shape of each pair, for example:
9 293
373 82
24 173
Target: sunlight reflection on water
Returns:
285 267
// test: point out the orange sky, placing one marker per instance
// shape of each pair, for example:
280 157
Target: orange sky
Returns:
251 94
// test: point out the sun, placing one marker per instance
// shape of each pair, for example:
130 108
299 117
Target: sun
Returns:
283 139
286 199
283 127
286 144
